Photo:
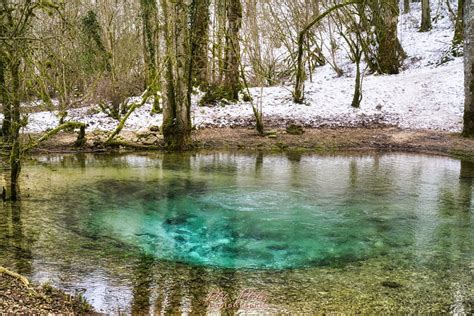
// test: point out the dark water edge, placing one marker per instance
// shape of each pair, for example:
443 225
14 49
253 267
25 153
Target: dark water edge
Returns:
408 218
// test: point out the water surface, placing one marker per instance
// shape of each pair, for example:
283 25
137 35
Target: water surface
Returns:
247 232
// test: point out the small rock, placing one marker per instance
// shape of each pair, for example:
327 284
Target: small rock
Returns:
294 129
379 107
154 128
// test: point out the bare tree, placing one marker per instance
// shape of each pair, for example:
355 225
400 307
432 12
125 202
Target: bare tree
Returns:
200 38
176 84
149 12
459 26
232 52
298 94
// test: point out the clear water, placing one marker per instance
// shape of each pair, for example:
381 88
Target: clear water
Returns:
142 233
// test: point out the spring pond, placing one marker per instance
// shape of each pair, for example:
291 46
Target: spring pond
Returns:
247 233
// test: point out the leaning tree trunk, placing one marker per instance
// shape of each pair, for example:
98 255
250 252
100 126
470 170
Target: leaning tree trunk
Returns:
176 100
232 59
298 93
468 68
425 16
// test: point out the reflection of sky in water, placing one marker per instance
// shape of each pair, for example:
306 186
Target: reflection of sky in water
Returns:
116 217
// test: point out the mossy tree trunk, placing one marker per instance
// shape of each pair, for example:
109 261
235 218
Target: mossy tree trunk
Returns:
406 6
15 25
200 43
15 155
4 100
468 130
219 41
231 83
357 98
459 25
425 16
385 20
255 50
176 97
151 48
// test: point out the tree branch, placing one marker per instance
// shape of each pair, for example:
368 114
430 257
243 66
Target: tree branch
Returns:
55 131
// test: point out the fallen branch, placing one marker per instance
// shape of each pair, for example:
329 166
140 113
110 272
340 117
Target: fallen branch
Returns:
123 143
51 133
124 119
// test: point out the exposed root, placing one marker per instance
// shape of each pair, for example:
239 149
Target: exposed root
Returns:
15 275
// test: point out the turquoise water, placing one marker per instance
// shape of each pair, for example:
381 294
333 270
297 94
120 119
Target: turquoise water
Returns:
278 223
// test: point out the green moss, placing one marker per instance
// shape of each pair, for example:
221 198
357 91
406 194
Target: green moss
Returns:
294 129
462 155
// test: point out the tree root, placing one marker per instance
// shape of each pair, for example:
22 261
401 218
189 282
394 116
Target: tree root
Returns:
15 275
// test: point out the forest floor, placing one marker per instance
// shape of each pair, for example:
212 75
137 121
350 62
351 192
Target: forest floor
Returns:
312 140
18 296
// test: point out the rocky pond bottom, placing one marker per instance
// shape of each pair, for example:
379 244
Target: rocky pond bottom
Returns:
247 233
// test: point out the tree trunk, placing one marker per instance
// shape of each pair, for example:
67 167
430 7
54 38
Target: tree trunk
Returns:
15 158
358 82
459 25
5 102
151 48
406 6
219 41
200 43
255 51
232 58
425 16
386 23
176 96
469 69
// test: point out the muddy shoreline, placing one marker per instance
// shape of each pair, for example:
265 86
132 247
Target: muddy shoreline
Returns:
19 296
322 140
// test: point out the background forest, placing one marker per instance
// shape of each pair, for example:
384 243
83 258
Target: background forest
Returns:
175 66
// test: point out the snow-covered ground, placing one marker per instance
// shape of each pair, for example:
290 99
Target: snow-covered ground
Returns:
422 96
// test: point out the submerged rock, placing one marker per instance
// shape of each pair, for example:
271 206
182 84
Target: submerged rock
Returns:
391 284
179 220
